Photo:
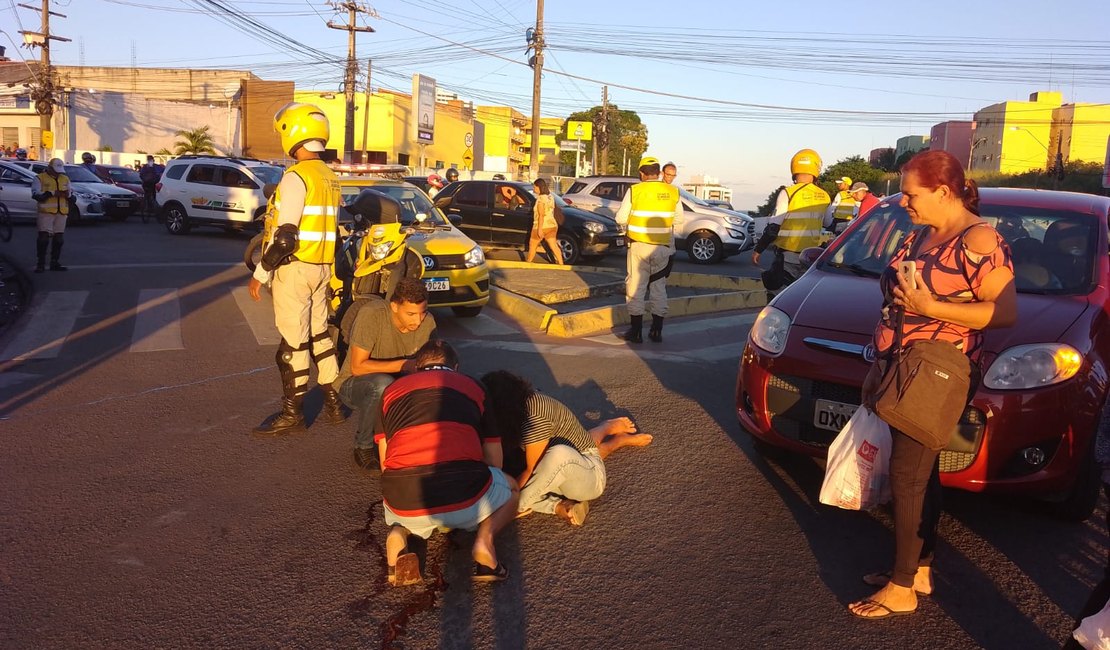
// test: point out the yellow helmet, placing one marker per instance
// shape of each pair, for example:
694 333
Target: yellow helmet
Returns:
298 124
805 161
648 160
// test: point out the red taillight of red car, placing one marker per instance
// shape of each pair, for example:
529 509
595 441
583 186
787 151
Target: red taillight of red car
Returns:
157 187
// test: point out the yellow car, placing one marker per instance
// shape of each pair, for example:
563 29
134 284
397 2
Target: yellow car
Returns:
455 270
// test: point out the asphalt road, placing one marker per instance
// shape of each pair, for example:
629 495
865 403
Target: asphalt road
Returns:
136 511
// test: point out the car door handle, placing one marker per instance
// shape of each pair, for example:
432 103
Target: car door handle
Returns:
498 214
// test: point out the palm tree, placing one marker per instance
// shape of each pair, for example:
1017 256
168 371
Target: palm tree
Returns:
194 141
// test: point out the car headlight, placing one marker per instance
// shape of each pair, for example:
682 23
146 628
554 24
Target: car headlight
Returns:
770 330
89 196
736 221
474 257
1033 366
593 226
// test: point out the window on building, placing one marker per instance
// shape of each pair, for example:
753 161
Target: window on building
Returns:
551 132
547 151
10 134
402 159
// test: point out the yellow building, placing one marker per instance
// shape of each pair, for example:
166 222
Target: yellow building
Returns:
503 145
387 136
1012 137
550 128
1080 132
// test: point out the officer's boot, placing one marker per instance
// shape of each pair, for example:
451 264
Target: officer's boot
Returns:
332 413
635 333
289 420
41 244
56 252
656 331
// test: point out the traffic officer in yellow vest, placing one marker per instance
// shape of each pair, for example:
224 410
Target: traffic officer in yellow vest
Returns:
297 259
800 214
844 205
649 212
50 189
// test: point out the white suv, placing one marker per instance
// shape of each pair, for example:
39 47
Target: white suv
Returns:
205 190
708 234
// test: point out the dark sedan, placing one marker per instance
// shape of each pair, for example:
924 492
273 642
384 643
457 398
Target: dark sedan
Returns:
494 226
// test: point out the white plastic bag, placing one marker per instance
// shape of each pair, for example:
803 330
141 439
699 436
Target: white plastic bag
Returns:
1093 632
857 476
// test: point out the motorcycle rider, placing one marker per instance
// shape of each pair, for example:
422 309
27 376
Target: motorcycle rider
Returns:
88 161
20 153
452 175
800 213
297 257
435 184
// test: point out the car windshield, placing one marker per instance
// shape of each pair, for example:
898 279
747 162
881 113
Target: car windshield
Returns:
690 197
413 201
123 175
1053 250
81 175
268 175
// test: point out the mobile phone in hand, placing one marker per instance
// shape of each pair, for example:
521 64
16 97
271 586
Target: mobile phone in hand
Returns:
908 269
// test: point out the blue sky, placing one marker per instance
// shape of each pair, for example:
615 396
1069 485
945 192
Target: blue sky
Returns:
894 72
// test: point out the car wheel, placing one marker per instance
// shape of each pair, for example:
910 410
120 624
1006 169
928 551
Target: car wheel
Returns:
177 222
1080 502
704 247
467 312
74 217
252 254
569 247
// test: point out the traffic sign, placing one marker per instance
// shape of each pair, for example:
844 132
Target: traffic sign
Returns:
468 140
580 130
48 139
468 159
572 145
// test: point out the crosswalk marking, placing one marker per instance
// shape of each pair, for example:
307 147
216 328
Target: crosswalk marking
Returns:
259 315
52 320
483 325
157 321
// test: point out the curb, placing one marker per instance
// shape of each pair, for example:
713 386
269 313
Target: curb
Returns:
525 311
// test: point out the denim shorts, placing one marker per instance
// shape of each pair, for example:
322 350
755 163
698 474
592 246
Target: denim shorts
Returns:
467 518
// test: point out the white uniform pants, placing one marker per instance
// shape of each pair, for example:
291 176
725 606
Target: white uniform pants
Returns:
643 260
54 224
301 315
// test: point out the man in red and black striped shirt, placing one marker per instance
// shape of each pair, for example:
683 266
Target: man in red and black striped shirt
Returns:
441 458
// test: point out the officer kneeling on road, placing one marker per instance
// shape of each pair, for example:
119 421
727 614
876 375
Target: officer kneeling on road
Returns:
297 259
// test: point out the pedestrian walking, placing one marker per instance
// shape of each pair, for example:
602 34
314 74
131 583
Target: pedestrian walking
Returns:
50 189
544 226
297 259
649 212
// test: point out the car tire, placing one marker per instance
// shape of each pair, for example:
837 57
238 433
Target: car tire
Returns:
74 218
176 219
467 312
704 247
1080 502
252 254
569 246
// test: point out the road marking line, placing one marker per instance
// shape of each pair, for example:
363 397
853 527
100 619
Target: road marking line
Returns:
483 325
52 320
259 315
157 321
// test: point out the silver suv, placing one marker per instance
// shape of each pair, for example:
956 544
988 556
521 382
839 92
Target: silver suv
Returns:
708 234
214 191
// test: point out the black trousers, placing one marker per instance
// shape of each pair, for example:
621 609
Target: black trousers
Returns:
917 495
1101 594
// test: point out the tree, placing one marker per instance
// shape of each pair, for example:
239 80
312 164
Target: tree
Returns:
885 160
194 141
903 159
767 208
628 135
164 152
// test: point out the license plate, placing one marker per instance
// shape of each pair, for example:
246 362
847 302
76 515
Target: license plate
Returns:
619 241
437 284
123 204
832 415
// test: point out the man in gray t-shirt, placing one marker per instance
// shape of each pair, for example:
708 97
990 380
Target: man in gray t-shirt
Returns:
383 339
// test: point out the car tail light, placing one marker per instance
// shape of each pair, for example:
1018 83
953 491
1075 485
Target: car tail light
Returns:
157 187
567 201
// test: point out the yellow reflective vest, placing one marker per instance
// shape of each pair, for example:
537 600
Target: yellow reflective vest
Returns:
651 219
846 209
317 229
805 215
56 204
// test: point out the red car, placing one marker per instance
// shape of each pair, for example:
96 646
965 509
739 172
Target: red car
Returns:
1030 427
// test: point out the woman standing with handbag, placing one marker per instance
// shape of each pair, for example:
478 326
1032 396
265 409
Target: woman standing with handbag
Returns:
544 226
963 283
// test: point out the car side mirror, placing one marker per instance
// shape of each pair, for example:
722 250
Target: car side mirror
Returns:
455 220
268 189
442 203
809 256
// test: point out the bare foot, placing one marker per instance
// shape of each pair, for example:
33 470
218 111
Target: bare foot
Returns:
617 426
573 512
637 439
889 600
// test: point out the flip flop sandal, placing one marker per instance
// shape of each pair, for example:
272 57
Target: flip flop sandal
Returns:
887 612
576 513
483 573
882 579
407 571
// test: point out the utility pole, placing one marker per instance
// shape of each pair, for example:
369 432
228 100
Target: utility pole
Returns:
353 9
43 92
366 111
535 39
604 130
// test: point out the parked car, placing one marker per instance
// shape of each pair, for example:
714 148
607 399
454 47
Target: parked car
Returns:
88 195
707 234
1029 430
583 235
719 203
128 179
455 271
15 191
204 190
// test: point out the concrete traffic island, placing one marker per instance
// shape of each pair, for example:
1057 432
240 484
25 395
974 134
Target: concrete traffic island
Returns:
575 301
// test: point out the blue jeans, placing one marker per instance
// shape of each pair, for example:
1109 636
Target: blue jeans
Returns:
563 472
364 395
